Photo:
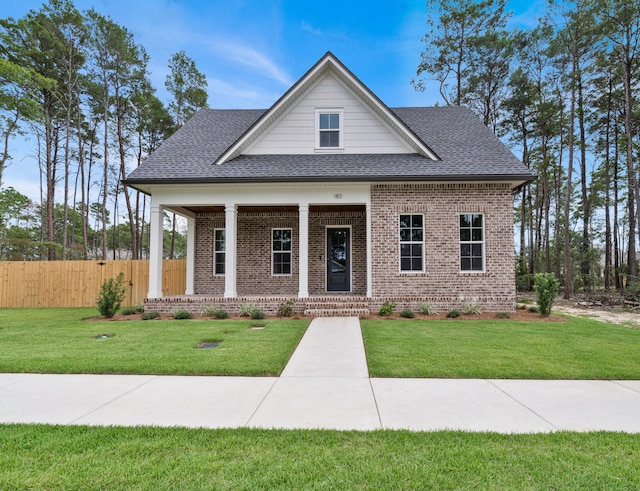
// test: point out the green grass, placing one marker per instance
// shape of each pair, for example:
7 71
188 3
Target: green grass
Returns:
76 457
577 349
60 341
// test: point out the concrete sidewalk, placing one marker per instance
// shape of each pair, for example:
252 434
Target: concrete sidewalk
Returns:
324 385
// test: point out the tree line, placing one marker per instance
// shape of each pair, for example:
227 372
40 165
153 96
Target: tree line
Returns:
77 83
563 94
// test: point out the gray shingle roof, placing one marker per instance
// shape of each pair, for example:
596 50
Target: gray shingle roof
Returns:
466 148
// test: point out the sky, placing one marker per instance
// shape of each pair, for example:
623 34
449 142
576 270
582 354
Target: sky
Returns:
252 51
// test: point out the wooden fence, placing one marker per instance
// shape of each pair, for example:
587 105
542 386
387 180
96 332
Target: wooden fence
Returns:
77 283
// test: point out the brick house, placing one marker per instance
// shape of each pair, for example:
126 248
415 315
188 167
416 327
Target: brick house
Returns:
333 200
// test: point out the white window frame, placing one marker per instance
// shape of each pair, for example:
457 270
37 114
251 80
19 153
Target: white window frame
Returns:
471 243
216 252
340 113
274 252
411 242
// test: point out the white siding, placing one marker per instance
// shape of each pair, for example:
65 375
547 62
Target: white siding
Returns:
294 132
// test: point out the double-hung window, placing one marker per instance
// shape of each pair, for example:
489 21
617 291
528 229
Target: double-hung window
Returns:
471 242
281 251
329 129
412 242
219 252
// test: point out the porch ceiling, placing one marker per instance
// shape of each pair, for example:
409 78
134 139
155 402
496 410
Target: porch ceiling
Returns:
277 209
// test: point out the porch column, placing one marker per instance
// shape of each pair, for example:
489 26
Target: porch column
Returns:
155 252
303 252
231 222
191 255
369 260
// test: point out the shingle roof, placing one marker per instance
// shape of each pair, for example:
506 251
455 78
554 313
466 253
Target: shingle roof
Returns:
466 148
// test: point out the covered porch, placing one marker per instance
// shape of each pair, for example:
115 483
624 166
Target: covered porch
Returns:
259 241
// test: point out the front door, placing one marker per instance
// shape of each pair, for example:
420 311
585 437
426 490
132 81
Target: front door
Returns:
338 260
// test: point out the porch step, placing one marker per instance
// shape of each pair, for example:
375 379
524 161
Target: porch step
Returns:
337 312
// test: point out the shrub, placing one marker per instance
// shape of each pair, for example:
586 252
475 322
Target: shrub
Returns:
408 313
181 314
453 314
209 309
471 308
503 315
285 309
546 287
140 308
245 309
387 308
221 314
129 311
426 308
111 295
256 313
146 316
534 309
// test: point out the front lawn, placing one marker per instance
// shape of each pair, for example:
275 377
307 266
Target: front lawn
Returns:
60 341
77 457
577 349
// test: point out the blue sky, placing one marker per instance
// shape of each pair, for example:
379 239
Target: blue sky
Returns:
251 51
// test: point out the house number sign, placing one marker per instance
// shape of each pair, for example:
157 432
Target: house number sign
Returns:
337 196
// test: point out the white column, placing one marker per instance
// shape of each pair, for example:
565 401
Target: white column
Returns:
369 260
155 252
230 236
303 252
191 256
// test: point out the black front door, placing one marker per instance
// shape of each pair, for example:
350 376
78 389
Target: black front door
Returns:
338 260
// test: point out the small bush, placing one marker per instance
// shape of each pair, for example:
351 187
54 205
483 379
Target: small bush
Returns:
129 311
221 314
245 309
534 309
209 309
111 295
140 308
147 316
285 309
546 287
471 308
453 314
387 308
426 308
408 313
503 315
256 313
181 314
524 300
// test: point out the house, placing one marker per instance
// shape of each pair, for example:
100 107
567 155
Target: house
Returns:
333 200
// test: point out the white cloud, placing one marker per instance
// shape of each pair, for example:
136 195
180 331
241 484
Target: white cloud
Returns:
309 28
225 95
249 57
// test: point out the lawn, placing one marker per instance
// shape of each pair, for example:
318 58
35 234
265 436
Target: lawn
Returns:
61 341
76 457
576 349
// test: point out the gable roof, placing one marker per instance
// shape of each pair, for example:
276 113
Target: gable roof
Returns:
327 64
450 144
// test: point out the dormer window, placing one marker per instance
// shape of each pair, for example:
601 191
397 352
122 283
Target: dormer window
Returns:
329 129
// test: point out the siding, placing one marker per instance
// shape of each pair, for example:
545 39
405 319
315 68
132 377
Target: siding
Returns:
294 133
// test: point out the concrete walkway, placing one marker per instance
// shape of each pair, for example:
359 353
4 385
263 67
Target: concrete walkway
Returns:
324 385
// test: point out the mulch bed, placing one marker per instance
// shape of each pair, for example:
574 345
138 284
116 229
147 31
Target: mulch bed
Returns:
519 315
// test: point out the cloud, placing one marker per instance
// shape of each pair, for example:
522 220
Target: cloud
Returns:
236 52
228 95
309 28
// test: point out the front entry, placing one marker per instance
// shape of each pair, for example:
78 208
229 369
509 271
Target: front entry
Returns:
338 260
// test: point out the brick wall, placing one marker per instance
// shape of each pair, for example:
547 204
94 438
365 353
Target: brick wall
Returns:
442 284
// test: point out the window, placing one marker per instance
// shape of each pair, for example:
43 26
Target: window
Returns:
218 254
281 251
411 242
329 127
471 242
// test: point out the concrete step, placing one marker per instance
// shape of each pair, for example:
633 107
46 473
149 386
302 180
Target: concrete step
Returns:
337 312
